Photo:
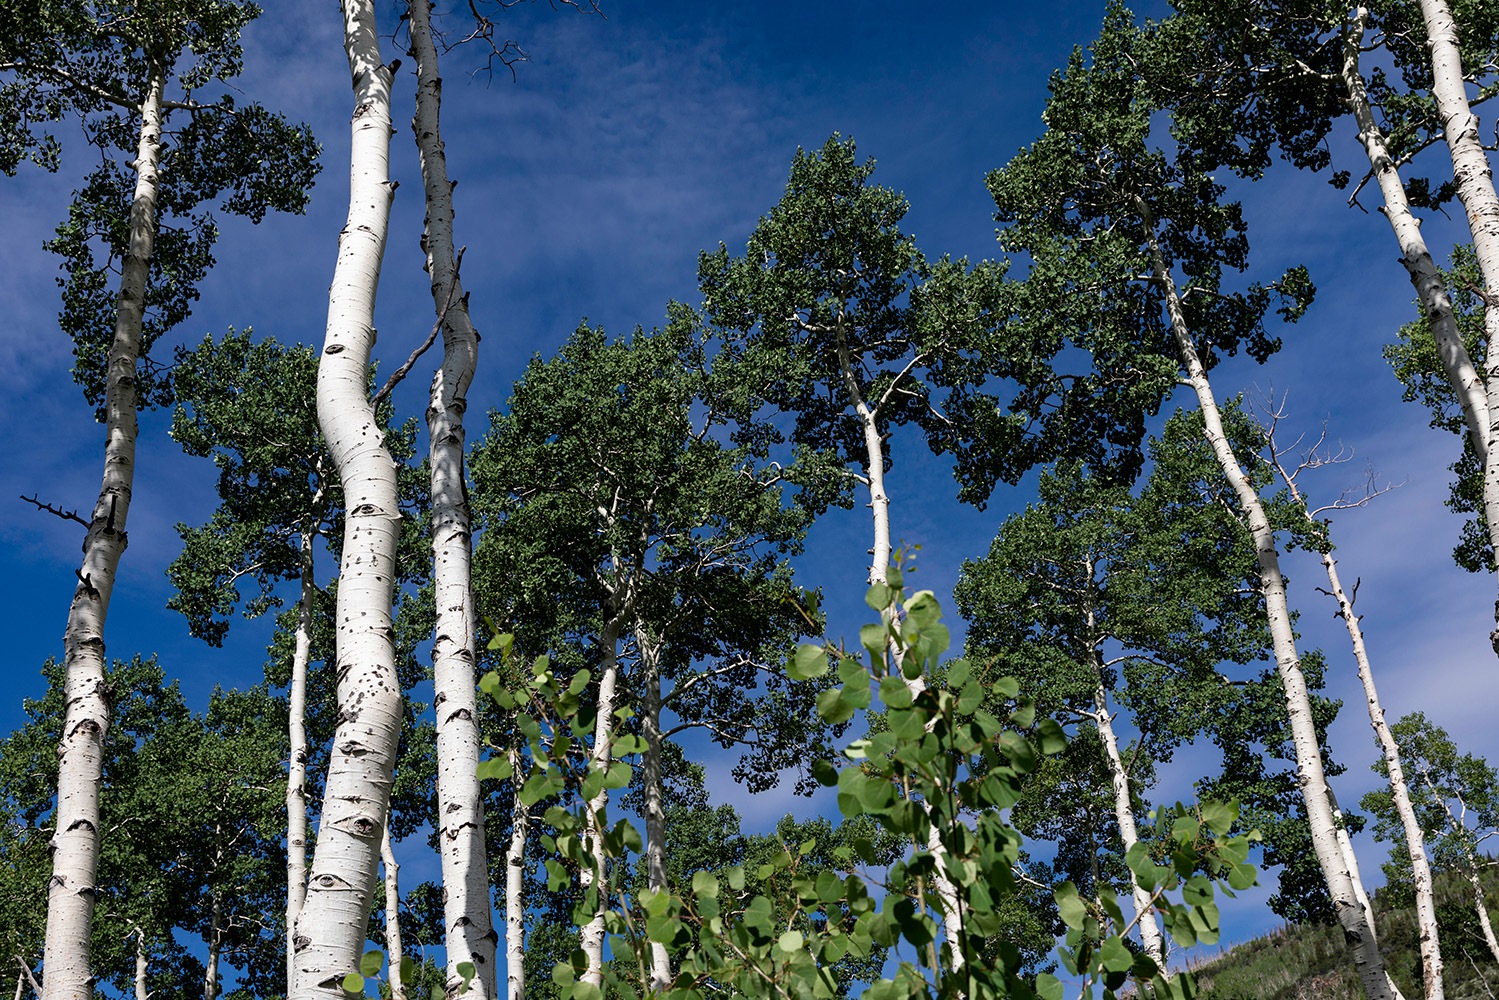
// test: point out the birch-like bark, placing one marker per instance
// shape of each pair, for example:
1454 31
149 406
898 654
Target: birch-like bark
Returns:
467 911
650 776
1483 912
215 947
1474 863
1436 304
591 938
1357 928
515 888
879 563
1415 841
392 913
1124 811
1474 181
296 771
331 929
141 966
80 752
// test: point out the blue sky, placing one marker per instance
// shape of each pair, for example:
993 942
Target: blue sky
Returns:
587 188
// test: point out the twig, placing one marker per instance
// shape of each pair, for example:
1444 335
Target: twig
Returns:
29 977
442 315
66 515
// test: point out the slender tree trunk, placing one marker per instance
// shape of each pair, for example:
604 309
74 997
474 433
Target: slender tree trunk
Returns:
1358 930
141 966
215 947
1436 305
465 865
515 888
296 776
1483 912
392 911
655 810
1474 181
879 563
332 926
75 841
591 939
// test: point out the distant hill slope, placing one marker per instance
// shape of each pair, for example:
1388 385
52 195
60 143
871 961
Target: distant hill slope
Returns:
1312 963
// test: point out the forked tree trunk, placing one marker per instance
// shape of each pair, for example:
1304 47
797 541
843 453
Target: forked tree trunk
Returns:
515 888
591 938
467 920
334 920
392 913
1415 841
1357 928
650 777
879 563
80 753
296 772
1474 181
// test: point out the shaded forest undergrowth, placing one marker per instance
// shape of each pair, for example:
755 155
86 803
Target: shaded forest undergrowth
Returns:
1310 962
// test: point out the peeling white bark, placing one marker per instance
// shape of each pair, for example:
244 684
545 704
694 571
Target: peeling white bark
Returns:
1315 791
331 929
591 938
515 888
467 911
392 913
1474 181
75 842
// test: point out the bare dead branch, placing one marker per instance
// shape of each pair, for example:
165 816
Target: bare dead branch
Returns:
66 515
442 315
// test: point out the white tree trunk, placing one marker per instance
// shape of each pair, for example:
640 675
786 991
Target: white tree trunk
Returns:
75 841
1474 181
141 966
467 911
392 913
515 888
1310 774
215 946
591 938
650 776
1436 304
1483 913
331 929
879 563
296 773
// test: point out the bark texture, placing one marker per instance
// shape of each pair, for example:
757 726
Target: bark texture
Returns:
75 844
591 938
650 776
296 773
331 929
465 865
1474 181
392 913
1316 794
515 888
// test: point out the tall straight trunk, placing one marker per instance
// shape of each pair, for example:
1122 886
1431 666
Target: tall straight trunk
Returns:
650 777
1415 840
215 947
1436 304
332 926
591 938
1474 181
1124 811
1315 792
142 967
80 752
1474 864
467 909
1481 907
515 888
392 913
296 772
879 563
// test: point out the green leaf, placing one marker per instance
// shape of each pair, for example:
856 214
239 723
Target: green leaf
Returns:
1048 987
353 984
704 883
1219 816
790 942
1114 956
465 971
879 596
495 769
872 638
807 662
408 970
370 964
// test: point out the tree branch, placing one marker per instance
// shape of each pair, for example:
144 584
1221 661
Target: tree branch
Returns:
66 515
442 315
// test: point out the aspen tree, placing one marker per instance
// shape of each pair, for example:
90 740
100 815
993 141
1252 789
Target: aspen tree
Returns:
331 928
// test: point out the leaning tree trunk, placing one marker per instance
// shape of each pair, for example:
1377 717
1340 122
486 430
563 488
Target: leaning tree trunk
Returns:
1415 839
1315 792
296 771
595 874
515 887
1436 304
392 912
1474 182
331 930
80 753
650 777
470 935
879 563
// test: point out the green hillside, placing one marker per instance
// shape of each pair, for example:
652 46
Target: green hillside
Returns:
1312 963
